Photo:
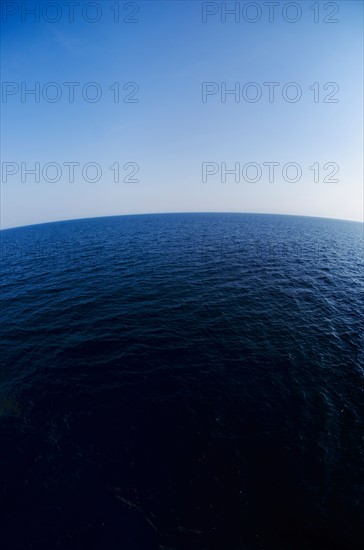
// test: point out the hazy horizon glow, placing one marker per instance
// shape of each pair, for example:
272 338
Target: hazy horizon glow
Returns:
166 107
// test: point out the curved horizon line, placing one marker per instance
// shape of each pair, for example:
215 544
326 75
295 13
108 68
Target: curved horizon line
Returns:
180 213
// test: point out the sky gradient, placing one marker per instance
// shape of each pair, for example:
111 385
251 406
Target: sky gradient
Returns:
149 115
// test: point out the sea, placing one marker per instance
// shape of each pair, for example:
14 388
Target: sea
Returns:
182 382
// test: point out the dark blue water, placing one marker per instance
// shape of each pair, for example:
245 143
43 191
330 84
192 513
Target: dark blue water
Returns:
182 382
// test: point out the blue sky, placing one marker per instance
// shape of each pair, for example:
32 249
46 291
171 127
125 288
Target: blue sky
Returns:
170 134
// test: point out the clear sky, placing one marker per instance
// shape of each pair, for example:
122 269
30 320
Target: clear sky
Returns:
173 130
